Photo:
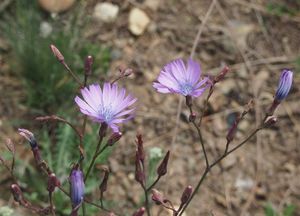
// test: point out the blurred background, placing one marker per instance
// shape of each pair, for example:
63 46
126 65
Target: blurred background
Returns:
255 38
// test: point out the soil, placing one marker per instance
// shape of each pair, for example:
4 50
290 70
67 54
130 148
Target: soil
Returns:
256 45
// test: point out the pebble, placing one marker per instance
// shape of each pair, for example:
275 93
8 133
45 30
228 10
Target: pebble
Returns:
138 21
106 12
56 6
45 29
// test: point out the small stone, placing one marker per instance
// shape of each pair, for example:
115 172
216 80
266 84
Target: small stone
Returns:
152 4
45 29
56 6
106 12
138 21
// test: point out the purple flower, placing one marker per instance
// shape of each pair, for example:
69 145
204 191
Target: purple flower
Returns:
77 187
110 105
176 77
285 84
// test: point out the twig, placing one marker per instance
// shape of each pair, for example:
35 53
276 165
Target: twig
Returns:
154 183
215 163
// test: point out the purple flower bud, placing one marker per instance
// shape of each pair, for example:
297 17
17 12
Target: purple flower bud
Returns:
88 65
157 197
10 146
189 101
271 120
53 182
103 129
17 193
57 53
139 212
232 131
140 148
115 137
28 136
186 194
76 187
285 84
139 173
163 167
103 185
221 75
192 117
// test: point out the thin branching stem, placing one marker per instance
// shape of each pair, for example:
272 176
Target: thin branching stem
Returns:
146 200
207 170
154 183
96 154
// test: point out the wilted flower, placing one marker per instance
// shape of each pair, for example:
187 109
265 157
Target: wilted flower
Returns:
285 84
77 187
176 77
109 105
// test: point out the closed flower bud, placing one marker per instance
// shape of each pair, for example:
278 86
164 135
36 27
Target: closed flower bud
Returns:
270 121
140 148
139 173
189 100
115 137
232 131
53 182
221 75
28 136
186 194
88 65
103 185
57 53
163 167
139 212
10 146
76 187
192 117
103 129
284 86
157 197
17 193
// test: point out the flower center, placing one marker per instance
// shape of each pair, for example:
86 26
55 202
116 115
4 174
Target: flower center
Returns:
186 89
106 112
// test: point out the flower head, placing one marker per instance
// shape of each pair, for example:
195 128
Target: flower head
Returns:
285 84
76 187
108 105
176 77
